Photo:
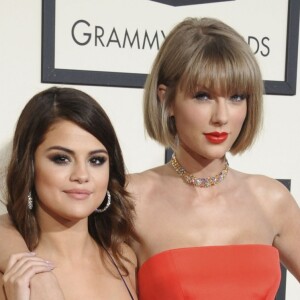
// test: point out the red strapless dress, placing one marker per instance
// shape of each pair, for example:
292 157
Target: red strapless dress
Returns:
234 272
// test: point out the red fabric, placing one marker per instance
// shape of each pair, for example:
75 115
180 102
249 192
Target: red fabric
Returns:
234 272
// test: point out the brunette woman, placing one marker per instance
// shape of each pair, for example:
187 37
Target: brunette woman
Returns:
66 197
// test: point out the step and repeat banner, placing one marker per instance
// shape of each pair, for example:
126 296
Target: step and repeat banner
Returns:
107 47
113 42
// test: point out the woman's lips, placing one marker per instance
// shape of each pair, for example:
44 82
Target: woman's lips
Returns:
216 137
78 194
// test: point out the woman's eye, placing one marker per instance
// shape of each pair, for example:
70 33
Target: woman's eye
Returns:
202 96
60 159
98 160
238 97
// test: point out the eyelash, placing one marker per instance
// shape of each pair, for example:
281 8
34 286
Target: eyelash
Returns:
200 95
203 96
64 160
98 160
238 97
60 159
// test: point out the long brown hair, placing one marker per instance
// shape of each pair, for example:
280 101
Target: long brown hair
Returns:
115 225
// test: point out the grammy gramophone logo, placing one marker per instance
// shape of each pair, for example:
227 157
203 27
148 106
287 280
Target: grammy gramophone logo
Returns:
187 2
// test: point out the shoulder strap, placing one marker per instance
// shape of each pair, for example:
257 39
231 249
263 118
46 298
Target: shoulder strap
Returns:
114 263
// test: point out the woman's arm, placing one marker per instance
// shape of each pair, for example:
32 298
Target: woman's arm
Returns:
43 286
16 243
287 241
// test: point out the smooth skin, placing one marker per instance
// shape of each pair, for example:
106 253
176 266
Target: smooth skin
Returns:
71 178
21 268
243 209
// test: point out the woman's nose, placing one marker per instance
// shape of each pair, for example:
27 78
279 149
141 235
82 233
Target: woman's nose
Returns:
80 173
220 112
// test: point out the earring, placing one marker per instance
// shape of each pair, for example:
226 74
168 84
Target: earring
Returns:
29 201
100 210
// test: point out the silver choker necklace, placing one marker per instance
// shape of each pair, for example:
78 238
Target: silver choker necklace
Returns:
199 182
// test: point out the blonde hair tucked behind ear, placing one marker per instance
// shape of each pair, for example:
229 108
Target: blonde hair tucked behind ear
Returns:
203 53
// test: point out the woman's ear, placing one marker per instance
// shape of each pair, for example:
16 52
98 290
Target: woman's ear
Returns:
161 92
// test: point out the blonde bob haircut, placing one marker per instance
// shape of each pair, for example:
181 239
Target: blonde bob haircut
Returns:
203 53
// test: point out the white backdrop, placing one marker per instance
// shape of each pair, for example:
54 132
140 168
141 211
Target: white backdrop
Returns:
276 152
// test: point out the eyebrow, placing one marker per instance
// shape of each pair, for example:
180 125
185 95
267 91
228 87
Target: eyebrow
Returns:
72 152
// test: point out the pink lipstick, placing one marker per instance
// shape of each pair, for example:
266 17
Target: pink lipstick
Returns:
216 137
78 194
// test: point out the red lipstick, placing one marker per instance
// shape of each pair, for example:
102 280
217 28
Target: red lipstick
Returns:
216 137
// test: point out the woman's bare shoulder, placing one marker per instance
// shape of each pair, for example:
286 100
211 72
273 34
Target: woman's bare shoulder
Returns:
5 221
268 187
262 184
284 212
147 174
272 194
129 255
142 181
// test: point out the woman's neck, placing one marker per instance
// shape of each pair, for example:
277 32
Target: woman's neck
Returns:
65 240
199 165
